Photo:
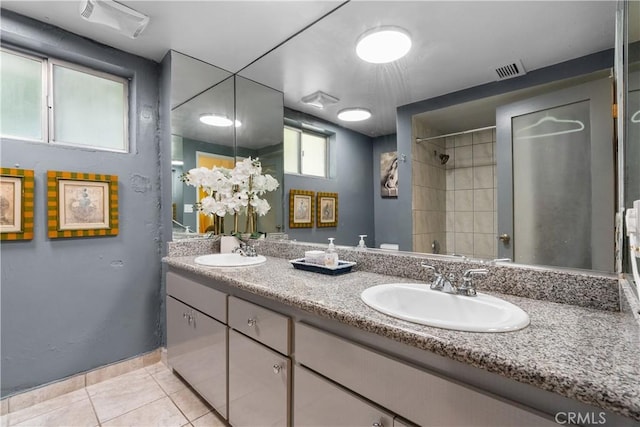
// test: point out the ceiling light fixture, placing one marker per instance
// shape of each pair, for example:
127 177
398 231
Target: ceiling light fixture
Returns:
115 15
383 44
319 99
354 114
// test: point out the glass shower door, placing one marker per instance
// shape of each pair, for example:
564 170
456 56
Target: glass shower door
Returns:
556 179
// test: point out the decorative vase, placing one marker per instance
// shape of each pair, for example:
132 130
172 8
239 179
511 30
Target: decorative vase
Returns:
251 226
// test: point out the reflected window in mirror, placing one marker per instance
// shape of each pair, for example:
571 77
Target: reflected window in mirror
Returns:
305 153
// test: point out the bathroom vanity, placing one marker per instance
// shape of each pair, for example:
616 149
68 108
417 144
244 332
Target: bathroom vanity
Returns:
304 350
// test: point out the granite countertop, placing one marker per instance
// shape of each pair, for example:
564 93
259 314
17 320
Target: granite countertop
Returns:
585 354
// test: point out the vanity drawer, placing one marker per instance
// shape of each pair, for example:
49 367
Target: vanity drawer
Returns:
263 325
198 296
412 393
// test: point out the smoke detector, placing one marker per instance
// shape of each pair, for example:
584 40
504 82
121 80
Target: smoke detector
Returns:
509 71
319 100
115 15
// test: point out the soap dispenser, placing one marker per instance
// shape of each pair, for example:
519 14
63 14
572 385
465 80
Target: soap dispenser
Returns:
331 256
361 244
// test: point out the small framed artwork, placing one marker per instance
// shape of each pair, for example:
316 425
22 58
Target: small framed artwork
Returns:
16 204
389 174
301 208
82 204
327 204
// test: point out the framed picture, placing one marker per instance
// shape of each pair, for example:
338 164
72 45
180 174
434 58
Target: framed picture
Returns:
389 174
327 204
301 208
82 204
16 204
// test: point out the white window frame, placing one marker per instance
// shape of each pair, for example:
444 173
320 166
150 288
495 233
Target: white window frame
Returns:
44 131
125 87
47 113
301 153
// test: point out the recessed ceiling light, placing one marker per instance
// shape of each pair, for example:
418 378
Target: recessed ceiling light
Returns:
354 114
218 120
384 44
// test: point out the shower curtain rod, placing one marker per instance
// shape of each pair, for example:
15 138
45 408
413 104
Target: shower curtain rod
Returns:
419 140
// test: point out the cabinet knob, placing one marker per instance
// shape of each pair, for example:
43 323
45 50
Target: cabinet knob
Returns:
251 322
277 368
377 424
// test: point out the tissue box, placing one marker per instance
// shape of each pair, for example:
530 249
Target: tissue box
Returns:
314 257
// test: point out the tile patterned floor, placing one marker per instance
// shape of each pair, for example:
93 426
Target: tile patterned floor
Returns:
150 396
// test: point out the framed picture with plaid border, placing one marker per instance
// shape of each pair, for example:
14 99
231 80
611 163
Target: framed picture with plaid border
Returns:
16 204
82 204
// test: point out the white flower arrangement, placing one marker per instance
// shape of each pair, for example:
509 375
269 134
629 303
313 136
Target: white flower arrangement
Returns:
231 191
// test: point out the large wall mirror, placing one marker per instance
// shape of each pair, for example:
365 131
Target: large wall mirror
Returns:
446 85
216 119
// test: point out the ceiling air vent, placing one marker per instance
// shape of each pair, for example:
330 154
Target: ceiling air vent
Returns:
510 71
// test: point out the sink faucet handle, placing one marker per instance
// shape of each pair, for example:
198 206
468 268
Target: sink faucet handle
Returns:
438 283
468 288
475 272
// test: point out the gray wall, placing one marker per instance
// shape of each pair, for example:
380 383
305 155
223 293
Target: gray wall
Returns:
385 209
352 168
576 67
70 305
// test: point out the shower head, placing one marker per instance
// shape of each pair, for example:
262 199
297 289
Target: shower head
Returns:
444 158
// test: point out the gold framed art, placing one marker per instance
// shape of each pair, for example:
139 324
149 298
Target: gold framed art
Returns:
82 204
16 204
301 208
327 214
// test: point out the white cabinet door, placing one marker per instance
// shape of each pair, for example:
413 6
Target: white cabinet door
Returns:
318 402
258 384
197 350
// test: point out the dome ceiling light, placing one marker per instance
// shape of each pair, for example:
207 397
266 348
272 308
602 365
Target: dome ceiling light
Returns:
354 114
218 120
383 45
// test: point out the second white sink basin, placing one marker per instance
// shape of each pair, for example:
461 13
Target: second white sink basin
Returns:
229 260
416 302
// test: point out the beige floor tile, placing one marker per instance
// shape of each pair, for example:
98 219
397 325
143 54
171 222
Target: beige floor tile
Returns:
157 367
112 371
77 414
191 405
4 406
4 421
209 420
160 413
47 392
123 394
169 382
46 406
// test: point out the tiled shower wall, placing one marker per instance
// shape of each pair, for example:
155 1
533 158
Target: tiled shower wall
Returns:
428 192
471 217
454 205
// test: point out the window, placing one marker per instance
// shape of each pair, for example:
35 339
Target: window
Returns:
86 107
305 153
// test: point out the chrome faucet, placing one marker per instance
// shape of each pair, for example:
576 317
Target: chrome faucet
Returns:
441 283
245 250
447 284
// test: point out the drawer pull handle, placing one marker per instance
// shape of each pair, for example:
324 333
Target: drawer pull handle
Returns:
277 368
377 425
251 322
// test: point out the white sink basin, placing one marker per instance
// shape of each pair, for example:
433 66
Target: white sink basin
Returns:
229 260
419 304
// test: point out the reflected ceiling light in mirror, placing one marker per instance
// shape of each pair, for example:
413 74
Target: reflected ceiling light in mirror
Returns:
383 44
354 114
218 120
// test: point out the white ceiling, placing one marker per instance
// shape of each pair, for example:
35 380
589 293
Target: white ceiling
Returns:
456 45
